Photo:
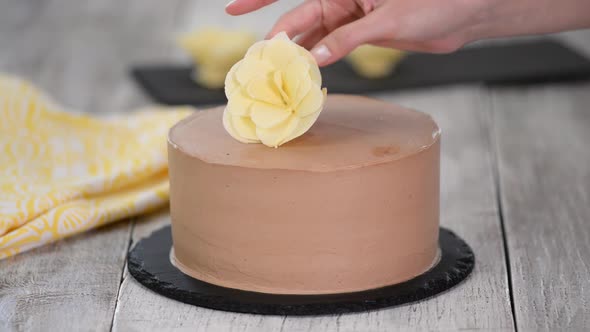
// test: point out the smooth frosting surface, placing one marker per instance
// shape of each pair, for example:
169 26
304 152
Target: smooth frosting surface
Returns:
351 132
350 206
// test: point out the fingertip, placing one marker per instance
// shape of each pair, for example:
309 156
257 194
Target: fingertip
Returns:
323 55
230 8
298 20
240 7
338 43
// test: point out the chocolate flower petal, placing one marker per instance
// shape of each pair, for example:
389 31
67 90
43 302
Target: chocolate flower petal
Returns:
296 73
279 86
268 116
239 103
302 127
314 73
274 93
231 84
314 70
255 51
240 128
312 102
280 52
275 136
302 91
262 89
245 127
250 68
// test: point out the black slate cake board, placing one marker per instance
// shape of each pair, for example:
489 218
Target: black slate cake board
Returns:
521 63
149 263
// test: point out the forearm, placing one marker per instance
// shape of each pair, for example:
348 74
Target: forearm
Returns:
504 18
333 28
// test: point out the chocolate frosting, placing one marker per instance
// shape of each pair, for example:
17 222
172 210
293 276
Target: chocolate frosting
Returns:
351 132
351 205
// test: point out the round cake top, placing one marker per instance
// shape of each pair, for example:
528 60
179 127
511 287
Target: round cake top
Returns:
351 132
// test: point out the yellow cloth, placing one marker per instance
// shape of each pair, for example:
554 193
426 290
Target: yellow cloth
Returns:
63 173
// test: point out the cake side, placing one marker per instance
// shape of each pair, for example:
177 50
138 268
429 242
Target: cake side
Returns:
294 232
365 218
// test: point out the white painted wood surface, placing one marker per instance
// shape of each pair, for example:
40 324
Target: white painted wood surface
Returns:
81 52
542 137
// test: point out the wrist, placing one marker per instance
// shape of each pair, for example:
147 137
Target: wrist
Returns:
505 18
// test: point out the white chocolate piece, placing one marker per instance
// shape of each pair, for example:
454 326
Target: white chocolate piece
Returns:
274 94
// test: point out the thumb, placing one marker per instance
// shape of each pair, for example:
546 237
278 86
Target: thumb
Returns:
344 40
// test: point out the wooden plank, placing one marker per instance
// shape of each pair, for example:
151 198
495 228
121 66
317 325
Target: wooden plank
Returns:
79 52
544 176
468 207
71 285
542 137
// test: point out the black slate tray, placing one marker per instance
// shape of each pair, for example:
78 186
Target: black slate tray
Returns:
520 63
149 263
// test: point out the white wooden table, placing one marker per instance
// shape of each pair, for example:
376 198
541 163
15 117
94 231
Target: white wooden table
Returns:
515 185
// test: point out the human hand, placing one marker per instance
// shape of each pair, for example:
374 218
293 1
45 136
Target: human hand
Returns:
333 28
336 27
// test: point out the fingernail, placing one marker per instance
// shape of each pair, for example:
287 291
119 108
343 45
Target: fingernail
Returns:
230 3
321 54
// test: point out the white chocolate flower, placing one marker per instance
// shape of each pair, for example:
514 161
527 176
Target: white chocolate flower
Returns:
374 62
274 94
214 51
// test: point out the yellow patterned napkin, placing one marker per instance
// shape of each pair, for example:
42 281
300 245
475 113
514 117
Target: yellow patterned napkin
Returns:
63 173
